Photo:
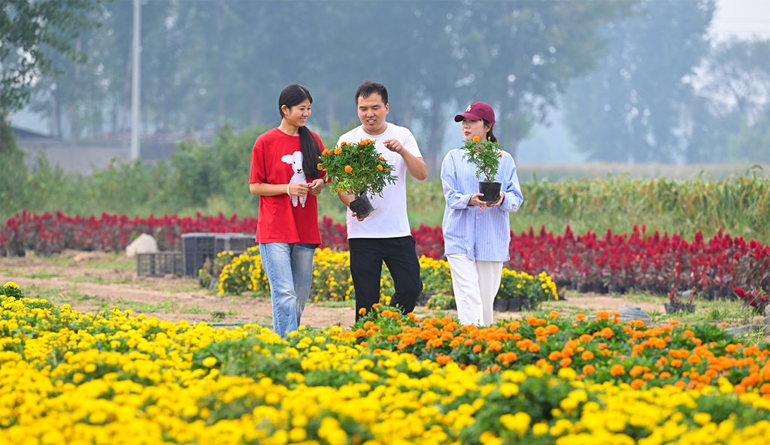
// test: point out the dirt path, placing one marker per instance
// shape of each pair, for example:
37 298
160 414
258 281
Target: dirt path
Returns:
94 281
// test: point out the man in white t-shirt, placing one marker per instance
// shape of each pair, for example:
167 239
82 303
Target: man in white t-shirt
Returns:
384 235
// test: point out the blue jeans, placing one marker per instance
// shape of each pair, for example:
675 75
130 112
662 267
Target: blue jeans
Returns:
289 270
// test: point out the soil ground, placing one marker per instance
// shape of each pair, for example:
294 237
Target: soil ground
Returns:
95 281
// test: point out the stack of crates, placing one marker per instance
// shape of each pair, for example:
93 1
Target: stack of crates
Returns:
234 242
196 248
159 264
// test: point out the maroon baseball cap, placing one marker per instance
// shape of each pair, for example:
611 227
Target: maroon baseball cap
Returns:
476 111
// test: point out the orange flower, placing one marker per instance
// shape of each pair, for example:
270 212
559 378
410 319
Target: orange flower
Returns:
326 152
588 355
637 383
338 151
379 167
565 362
477 348
320 166
617 369
362 311
348 168
476 138
588 369
381 158
602 315
342 144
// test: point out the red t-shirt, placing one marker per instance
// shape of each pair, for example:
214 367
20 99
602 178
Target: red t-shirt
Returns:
282 219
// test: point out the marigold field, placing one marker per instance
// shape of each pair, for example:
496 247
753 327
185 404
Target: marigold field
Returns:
112 378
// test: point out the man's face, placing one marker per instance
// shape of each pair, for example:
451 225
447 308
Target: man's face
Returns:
372 112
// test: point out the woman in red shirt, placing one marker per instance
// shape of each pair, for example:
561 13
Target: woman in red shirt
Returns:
285 176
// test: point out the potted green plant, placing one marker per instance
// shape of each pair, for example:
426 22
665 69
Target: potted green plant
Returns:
357 169
675 305
486 156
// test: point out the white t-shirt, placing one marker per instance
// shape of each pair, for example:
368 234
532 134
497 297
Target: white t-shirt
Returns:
389 219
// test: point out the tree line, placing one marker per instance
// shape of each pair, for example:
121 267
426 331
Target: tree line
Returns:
638 80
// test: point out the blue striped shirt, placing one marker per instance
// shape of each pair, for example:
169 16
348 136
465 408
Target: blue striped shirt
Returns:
481 235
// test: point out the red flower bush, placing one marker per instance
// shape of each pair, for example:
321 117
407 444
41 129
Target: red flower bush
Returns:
655 263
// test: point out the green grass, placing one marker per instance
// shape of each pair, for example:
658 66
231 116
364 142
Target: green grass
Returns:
336 304
101 280
42 275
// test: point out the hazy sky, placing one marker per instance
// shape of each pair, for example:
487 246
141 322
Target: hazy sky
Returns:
742 19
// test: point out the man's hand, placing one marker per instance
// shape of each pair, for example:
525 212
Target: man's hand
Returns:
316 186
393 145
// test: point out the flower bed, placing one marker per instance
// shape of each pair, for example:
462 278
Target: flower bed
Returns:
331 278
68 377
586 262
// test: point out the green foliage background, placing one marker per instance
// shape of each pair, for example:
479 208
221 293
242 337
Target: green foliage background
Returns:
213 178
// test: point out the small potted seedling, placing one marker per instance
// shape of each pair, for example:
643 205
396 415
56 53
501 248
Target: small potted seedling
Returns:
676 305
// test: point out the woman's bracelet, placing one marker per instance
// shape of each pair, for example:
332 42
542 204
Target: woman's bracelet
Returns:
288 192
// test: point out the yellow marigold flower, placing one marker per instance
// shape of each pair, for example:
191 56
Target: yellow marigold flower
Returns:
209 362
348 168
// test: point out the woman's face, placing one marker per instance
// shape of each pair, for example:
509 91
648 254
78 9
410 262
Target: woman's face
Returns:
298 114
472 129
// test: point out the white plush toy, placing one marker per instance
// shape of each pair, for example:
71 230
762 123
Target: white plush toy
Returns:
295 159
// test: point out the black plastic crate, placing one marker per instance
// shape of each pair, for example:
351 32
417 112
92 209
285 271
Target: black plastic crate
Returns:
159 264
196 248
227 242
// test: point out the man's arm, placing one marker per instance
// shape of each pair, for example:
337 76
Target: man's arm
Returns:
416 166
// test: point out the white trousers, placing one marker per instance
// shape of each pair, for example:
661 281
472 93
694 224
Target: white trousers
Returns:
475 284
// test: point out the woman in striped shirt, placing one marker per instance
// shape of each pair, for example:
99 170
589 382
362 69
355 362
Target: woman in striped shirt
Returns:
477 234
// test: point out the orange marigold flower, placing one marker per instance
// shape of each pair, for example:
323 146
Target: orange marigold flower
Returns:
326 152
637 383
381 158
362 311
476 138
477 349
348 168
588 355
379 167
565 362
338 151
617 369
320 166
603 315
343 143
588 369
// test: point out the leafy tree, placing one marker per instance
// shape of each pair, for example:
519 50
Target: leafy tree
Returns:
630 109
752 143
28 28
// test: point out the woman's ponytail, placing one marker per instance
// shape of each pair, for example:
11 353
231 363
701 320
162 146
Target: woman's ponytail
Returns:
310 152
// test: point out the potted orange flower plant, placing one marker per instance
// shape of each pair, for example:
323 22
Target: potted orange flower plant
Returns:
486 156
357 169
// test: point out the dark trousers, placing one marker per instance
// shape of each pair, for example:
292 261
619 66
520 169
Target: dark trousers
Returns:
366 257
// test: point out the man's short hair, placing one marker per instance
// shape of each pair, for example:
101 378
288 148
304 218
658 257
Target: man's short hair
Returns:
368 88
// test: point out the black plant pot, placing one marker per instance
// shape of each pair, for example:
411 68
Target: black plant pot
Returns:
515 305
491 191
423 298
361 206
673 308
500 304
